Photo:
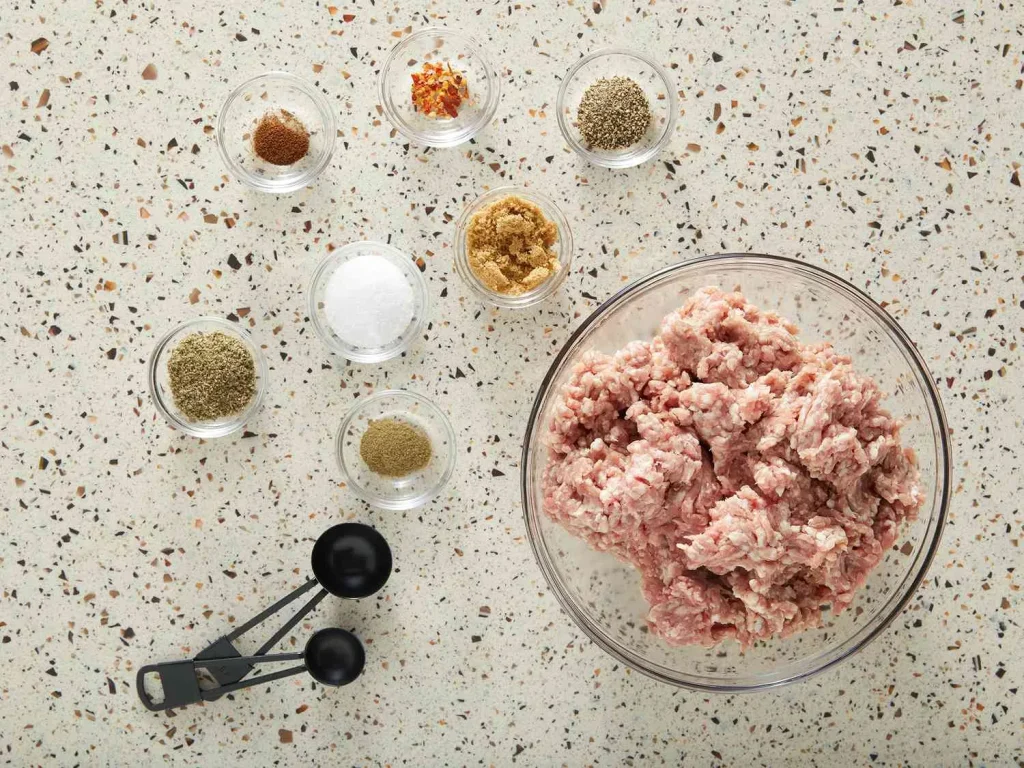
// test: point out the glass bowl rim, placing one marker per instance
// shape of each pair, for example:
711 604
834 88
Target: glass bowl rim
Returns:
240 420
418 285
845 650
379 501
487 113
323 108
602 160
542 291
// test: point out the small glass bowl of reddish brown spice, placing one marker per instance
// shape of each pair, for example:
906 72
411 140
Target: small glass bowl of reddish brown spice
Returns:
437 88
276 132
402 480
490 224
205 372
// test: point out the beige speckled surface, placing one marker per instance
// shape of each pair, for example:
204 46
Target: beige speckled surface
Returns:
882 141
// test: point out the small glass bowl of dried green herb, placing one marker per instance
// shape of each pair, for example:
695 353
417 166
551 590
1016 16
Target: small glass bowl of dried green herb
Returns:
616 108
396 450
207 377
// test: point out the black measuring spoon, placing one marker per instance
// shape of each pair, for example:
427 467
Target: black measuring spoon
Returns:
349 560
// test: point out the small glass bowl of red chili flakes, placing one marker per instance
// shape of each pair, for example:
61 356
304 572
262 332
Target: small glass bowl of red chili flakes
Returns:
437 88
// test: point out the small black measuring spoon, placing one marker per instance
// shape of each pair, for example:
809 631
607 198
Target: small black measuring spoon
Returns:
332 656
349 560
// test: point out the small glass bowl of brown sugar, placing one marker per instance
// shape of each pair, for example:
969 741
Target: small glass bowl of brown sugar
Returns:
215 388
276 132
396 450
513 247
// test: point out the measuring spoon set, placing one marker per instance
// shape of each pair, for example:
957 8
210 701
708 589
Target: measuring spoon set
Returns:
351 561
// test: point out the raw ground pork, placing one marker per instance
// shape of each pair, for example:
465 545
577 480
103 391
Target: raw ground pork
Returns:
750 478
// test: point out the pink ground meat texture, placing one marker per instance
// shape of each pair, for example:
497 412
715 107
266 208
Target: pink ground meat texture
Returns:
751 479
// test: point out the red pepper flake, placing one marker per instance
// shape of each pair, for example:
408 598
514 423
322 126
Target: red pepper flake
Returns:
438 90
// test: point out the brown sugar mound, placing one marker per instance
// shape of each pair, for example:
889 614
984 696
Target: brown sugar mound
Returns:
510 246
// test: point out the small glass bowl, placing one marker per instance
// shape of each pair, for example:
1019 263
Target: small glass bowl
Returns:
160 386
648 74
396 493
318 286
243 110
436 44
563 247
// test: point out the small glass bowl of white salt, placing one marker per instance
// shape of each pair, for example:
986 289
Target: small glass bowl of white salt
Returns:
368 302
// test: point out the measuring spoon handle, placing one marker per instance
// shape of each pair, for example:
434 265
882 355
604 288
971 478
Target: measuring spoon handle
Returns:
179 681
268 678
181 686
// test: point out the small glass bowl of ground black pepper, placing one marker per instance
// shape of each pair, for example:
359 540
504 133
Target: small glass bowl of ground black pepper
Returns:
513 247
207 377
396 450
437 88
616 108
276 132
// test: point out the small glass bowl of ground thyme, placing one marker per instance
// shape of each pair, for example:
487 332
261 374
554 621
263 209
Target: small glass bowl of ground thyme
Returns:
207 377
276 132
437 87
396 450
513 247
616 108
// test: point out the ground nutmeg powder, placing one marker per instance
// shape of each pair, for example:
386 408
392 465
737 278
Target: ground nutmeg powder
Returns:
280 138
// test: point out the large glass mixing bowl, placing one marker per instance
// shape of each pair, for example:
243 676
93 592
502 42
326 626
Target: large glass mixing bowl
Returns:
602 594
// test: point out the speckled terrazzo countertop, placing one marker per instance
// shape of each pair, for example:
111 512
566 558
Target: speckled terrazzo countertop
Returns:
881 140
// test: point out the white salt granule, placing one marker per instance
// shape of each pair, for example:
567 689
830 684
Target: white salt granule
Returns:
368 302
